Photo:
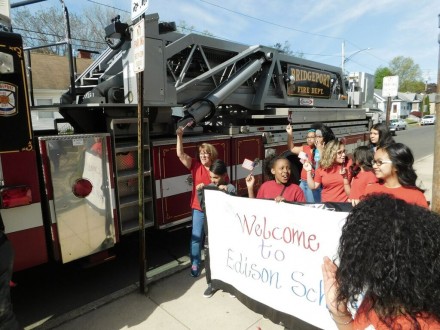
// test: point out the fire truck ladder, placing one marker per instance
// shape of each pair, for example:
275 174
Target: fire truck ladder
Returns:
108 64
124 133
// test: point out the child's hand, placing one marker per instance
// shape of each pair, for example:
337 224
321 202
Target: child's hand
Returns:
200 186
222 187
307 166
279 199
250 181
289 129
179 131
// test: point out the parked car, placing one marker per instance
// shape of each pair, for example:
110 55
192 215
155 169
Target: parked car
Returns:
428 120
397 125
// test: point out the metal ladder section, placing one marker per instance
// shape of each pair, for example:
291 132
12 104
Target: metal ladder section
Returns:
124 134
108 63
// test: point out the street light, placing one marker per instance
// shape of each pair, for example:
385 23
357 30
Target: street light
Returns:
346 59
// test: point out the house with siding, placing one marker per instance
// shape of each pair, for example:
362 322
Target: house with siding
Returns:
401 105
48 78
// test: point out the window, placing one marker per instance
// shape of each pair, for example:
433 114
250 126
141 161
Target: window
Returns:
44 114
6 63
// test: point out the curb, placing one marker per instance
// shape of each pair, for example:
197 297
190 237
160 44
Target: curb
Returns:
423 158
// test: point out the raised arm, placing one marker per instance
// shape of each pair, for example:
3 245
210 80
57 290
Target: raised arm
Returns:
290 145
184 158
338 310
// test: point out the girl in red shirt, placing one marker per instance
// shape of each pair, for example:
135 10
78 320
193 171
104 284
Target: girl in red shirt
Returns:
393 166
332 173
280 188
362 173
312 196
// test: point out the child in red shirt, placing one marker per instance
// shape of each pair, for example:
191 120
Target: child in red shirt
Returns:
362 173
280 188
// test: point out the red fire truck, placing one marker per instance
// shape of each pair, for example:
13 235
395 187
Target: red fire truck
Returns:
71 191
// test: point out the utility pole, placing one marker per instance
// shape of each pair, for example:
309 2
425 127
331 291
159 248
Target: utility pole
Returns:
343 58
436 172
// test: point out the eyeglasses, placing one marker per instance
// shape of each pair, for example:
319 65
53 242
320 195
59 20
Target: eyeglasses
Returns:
204 154
380 162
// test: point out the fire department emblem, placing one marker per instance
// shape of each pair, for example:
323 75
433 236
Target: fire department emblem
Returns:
8 96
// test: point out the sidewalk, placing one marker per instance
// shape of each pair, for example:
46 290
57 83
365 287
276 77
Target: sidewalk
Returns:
177 301
424 168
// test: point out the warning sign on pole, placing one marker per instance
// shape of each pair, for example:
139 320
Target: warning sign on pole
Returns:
390 86
138 46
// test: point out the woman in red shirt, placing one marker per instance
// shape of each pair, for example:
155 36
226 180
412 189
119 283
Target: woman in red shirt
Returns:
362 173
389 266
393 166
332 173
200 174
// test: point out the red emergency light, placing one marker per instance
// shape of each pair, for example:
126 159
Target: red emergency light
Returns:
15 196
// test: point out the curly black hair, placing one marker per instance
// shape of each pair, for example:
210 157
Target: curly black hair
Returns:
389 252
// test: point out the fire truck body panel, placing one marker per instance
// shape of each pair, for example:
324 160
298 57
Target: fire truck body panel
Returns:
238 98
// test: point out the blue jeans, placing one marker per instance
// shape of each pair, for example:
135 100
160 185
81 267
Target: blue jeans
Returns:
312 196
198 218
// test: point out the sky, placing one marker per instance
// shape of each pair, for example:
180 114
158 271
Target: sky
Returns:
373 32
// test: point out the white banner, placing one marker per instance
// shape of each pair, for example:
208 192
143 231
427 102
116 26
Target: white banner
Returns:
273 252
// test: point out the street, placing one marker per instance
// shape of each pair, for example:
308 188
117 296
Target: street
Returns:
419 138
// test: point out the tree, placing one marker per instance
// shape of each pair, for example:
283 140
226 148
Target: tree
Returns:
410 75
425 105
45 27
286 49
183 27
378 76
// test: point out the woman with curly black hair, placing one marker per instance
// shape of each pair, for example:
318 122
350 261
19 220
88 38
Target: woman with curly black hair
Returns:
393 166
389 266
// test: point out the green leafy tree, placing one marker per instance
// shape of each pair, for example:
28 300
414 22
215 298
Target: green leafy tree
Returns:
378 76
410 74
425 105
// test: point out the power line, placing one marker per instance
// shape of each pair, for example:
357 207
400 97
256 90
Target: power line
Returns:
60 36
290 28
102 4
271 23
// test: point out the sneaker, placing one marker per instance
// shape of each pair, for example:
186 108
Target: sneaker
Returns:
195 271
209 291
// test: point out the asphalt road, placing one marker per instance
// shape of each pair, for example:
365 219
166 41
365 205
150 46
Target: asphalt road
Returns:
419 138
